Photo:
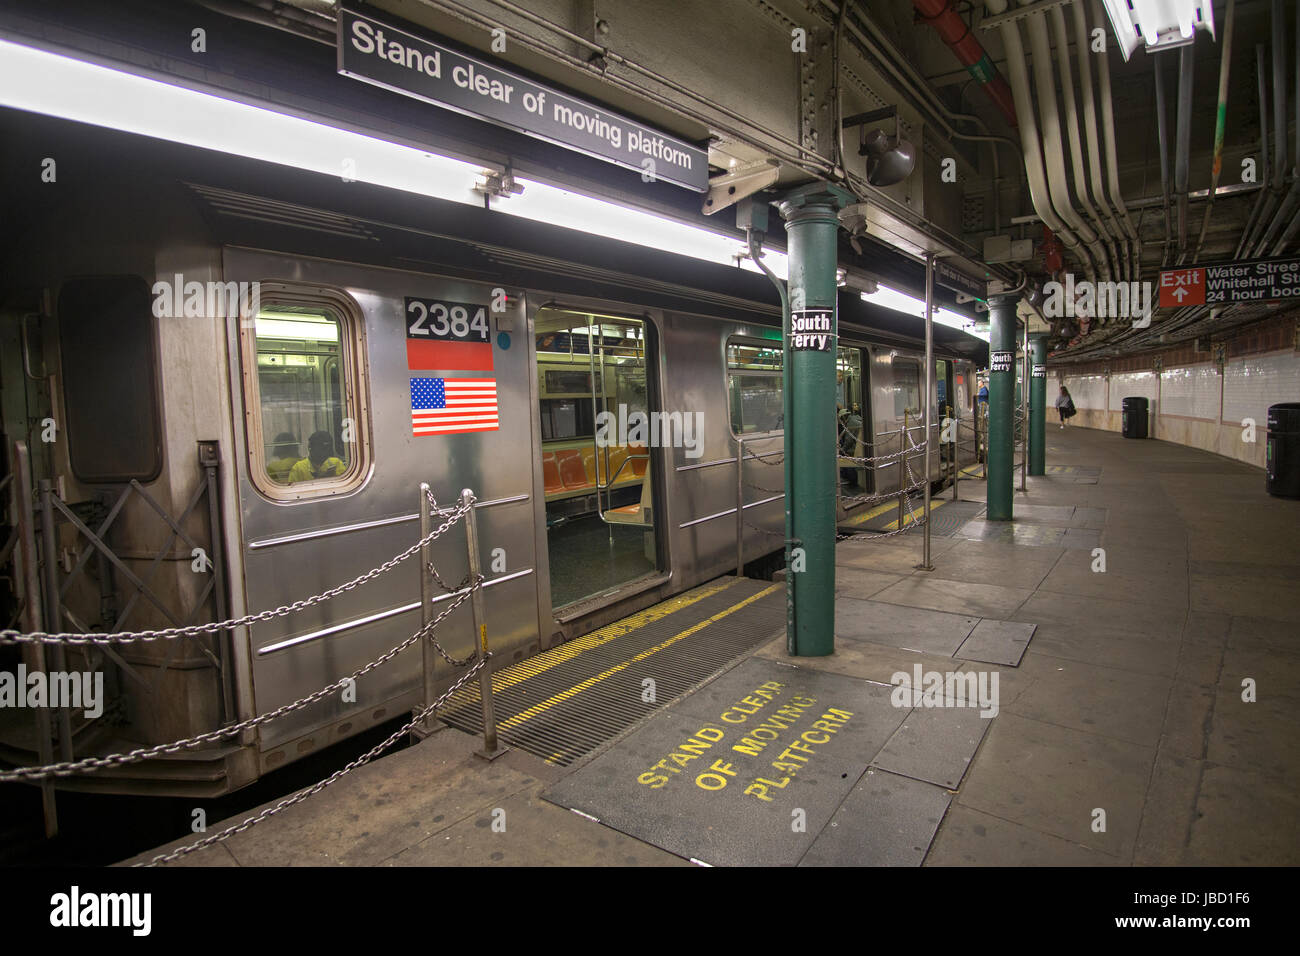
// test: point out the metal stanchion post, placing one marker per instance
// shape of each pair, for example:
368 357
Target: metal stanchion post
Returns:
740 507
1024 408
956 450
490 749
426 608
925 564
904 439
32 619
54 606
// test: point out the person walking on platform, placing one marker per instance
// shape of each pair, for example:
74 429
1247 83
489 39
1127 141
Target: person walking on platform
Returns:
1064 405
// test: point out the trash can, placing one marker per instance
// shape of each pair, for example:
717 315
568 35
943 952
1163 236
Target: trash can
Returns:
1134 418
1282 454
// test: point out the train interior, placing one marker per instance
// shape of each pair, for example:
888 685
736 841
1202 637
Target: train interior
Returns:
304 418
593 395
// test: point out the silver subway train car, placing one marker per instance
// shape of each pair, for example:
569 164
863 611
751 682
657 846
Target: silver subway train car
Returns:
174 458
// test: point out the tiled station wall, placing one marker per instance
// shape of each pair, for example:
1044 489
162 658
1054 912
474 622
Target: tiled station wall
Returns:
1194 400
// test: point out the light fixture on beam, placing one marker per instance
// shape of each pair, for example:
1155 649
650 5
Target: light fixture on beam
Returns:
1159 24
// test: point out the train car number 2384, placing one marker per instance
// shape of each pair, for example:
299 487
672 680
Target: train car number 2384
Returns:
448 321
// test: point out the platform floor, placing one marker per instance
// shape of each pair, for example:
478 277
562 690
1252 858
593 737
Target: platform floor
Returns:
1119 691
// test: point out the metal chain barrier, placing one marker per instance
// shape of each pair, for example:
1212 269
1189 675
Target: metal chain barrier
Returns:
144 753
302 795
194 630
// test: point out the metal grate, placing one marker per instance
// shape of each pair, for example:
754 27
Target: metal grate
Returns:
563 704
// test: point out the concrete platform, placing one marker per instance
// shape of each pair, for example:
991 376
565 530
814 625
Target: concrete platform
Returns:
1121 738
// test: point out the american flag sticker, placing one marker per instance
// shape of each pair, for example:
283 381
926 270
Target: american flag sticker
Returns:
444 406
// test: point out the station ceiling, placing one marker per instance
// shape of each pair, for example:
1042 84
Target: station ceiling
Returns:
765 86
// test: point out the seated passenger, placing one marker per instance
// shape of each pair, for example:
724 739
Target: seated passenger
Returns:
286 456
320 461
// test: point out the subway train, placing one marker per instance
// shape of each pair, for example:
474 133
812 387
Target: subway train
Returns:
232 459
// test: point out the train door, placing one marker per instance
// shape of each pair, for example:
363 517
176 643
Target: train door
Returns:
598 419
853 425
356 385
942 409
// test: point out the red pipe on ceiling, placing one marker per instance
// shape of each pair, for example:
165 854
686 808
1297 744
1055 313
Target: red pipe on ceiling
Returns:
954 32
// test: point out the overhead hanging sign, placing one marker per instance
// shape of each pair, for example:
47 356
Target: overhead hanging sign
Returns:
376 52
1254 280
948 277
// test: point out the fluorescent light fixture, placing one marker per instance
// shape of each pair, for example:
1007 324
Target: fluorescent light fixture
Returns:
899 301
541 202
42 82
1159 24
282 328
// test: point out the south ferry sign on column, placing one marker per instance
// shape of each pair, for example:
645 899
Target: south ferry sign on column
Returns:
811 330
1254 280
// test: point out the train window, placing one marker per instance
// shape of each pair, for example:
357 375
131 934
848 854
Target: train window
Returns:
110 368
754 380
305 427
907 387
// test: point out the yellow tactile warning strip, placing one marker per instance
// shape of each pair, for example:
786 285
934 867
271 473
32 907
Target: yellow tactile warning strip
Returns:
865 516
621 628
935 505
564 703
608 672
858 520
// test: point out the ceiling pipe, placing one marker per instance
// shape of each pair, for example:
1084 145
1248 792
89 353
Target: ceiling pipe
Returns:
1053 149
1278 21
1287 207
1220 124
1183 146
923 98
1018 75
1083 40
1162 128
1072 126
1112 163
1261 200
1294 227
952 29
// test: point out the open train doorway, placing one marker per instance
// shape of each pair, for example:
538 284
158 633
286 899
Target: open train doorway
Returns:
853 425
598 415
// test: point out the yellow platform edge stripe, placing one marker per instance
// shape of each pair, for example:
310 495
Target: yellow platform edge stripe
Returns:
578 688
539 663
935 505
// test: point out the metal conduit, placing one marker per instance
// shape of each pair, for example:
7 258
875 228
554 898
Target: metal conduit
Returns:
1286 208
1018 74
1182 158
1112 163
1294 226
1162 127
1220 123
1053 149
1082 41
1076 143
1255 211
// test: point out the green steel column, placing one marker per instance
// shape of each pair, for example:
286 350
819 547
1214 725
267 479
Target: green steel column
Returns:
811 224
1038 404
1002 401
